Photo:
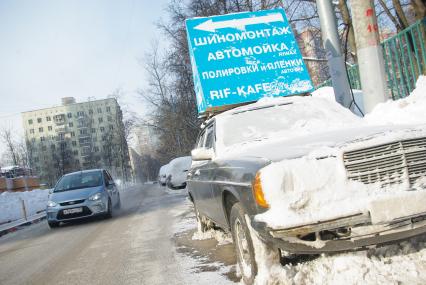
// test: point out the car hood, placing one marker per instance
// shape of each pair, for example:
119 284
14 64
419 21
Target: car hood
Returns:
77 194
278 149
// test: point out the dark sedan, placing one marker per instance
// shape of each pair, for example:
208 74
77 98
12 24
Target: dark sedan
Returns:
307 176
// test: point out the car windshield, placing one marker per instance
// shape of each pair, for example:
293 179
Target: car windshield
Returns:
284 119
79 180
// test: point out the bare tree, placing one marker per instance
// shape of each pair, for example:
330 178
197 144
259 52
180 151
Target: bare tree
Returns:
6 135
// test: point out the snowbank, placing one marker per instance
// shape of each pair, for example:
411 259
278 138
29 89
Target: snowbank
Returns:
11 205
220 236
410 110
402 263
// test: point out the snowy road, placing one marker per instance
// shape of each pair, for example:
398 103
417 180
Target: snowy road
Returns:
148 242
153 240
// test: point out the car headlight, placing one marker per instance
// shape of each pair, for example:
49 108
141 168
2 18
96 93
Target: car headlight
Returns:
95 197
258 192
51 204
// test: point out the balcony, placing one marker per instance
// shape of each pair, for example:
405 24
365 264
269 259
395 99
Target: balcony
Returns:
59 119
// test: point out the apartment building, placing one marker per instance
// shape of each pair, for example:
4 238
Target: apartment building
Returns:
76 136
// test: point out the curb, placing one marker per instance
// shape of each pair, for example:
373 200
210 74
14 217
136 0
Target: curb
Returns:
16 225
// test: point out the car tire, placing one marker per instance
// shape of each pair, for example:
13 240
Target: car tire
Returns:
243 244
53 225
108 214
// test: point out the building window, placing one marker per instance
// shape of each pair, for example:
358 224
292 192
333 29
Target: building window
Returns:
99 110
77 161
102 129
75 152
38 120
40 130
109 119
80 113
31 131
42 139
83 132
100 120
35 159
70 124
111 127
44 148
72 134
48 118
30 122
53 147
93 130
90 111
74 143
49 128
96 149
95 139
103 138
69 115
108 109
33 140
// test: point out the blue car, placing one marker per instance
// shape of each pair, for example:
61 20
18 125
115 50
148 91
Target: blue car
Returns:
82 194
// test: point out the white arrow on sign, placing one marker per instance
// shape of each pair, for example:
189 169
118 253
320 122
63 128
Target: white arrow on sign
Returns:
210 26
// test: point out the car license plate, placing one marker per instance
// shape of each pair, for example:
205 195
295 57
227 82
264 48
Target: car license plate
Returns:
73 211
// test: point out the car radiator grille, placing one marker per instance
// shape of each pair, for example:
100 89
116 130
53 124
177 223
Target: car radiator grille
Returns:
391 163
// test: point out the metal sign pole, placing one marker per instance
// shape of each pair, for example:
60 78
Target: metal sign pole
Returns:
370 54
336 61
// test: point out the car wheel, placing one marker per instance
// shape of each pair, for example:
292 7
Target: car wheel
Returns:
243 244
53 225
108 214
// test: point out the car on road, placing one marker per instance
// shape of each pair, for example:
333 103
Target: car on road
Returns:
177 172
162 175
82 194
304 175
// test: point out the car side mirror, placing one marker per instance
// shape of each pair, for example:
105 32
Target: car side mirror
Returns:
110 183
202 154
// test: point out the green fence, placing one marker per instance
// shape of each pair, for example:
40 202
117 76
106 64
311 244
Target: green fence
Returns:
405 59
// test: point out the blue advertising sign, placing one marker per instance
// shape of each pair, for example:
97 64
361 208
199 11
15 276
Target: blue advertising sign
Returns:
243 57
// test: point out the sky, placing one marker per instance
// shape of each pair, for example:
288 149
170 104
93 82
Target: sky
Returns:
51 49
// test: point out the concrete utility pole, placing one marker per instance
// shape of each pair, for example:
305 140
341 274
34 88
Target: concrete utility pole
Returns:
369 51
336 61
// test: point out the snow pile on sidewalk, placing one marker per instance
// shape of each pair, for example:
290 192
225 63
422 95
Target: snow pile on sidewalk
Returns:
11 205
403 263
220 236
410 110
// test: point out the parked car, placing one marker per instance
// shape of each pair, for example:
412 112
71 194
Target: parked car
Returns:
177 172
252 165
82 194
162 175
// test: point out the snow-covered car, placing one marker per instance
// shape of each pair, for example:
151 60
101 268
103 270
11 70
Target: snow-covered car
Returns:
177 172
304 175
162 175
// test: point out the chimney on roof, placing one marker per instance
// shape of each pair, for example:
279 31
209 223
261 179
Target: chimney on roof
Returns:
68 101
